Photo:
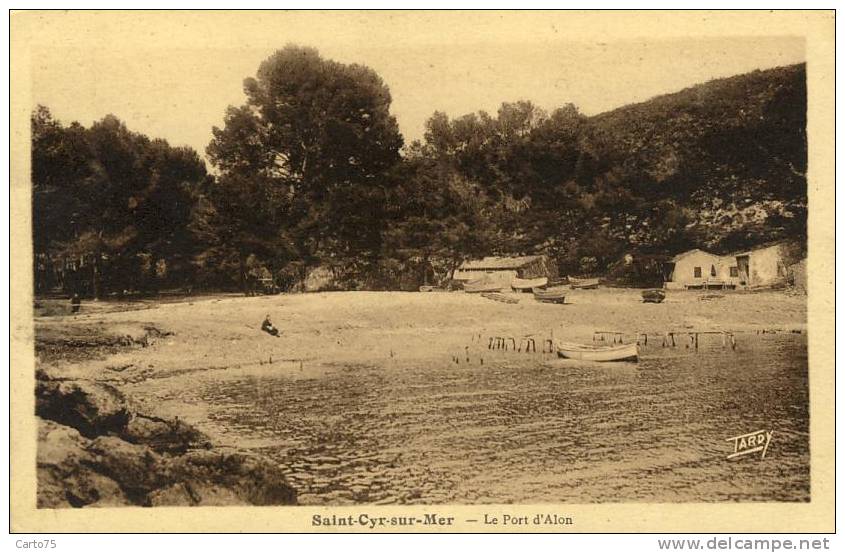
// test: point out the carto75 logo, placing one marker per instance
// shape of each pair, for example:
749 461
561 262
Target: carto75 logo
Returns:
751 443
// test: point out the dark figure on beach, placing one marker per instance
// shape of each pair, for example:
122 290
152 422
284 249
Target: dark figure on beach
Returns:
75 303
268 327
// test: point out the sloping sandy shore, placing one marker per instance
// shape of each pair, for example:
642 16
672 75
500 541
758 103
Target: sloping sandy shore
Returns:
371 326
144 352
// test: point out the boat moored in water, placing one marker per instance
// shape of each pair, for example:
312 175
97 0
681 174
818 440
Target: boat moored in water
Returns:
620 352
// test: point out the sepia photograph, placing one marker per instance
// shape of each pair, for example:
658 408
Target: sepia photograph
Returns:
378 260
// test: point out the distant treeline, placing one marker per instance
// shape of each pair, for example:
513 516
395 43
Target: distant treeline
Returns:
312 172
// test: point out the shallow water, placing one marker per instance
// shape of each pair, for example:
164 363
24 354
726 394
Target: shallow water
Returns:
531 429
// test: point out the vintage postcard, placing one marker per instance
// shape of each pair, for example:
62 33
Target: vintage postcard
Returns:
410 271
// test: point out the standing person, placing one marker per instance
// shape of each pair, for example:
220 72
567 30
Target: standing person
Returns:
75 303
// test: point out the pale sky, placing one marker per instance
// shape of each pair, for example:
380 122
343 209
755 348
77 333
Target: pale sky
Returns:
173 75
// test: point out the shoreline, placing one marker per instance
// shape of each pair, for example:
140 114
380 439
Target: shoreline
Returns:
136 353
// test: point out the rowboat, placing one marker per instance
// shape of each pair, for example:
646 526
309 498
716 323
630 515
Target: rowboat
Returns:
482 285
653 296
620 352
498 296
551 295
583 283
528 283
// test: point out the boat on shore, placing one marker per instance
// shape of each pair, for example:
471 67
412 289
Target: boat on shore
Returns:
498 296
550 295
525 284
482 285
619 352
583 283
653 296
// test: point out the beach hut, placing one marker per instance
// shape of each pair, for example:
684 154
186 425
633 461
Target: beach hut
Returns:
503 270
766 266
698 269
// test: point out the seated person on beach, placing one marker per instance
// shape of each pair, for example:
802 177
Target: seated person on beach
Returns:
268 327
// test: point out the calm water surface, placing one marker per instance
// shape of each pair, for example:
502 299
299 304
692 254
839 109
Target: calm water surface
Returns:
525 428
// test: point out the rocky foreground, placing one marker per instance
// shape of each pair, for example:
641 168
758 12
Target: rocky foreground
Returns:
94 450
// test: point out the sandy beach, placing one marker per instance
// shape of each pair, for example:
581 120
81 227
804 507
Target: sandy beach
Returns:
370 397
350 327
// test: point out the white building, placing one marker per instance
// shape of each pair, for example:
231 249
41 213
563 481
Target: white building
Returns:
700 269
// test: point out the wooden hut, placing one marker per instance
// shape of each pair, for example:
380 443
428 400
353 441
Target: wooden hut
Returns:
503 270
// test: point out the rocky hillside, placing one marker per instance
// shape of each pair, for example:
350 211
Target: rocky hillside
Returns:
732 153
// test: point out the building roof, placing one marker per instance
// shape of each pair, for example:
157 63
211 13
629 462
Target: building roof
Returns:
763 246
691 252
755 250
494 263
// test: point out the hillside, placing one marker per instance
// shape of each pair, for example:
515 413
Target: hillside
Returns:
732 152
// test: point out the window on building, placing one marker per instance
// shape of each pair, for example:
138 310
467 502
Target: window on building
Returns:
734 271
696 272
712 270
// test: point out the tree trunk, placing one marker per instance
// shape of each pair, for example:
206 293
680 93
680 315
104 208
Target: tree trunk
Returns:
242 271
96 278
303 276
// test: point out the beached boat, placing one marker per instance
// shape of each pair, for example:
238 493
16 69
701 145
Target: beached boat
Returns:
482 285
550 295
653 296
583 283
498 296
620 352
528 283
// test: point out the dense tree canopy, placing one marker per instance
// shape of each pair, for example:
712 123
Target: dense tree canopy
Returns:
316 141
114 200
311 172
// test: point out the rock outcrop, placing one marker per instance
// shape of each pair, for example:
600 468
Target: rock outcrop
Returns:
93 451
90 407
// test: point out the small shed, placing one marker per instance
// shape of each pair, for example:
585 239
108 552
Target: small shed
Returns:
503 270
765 266
700 269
